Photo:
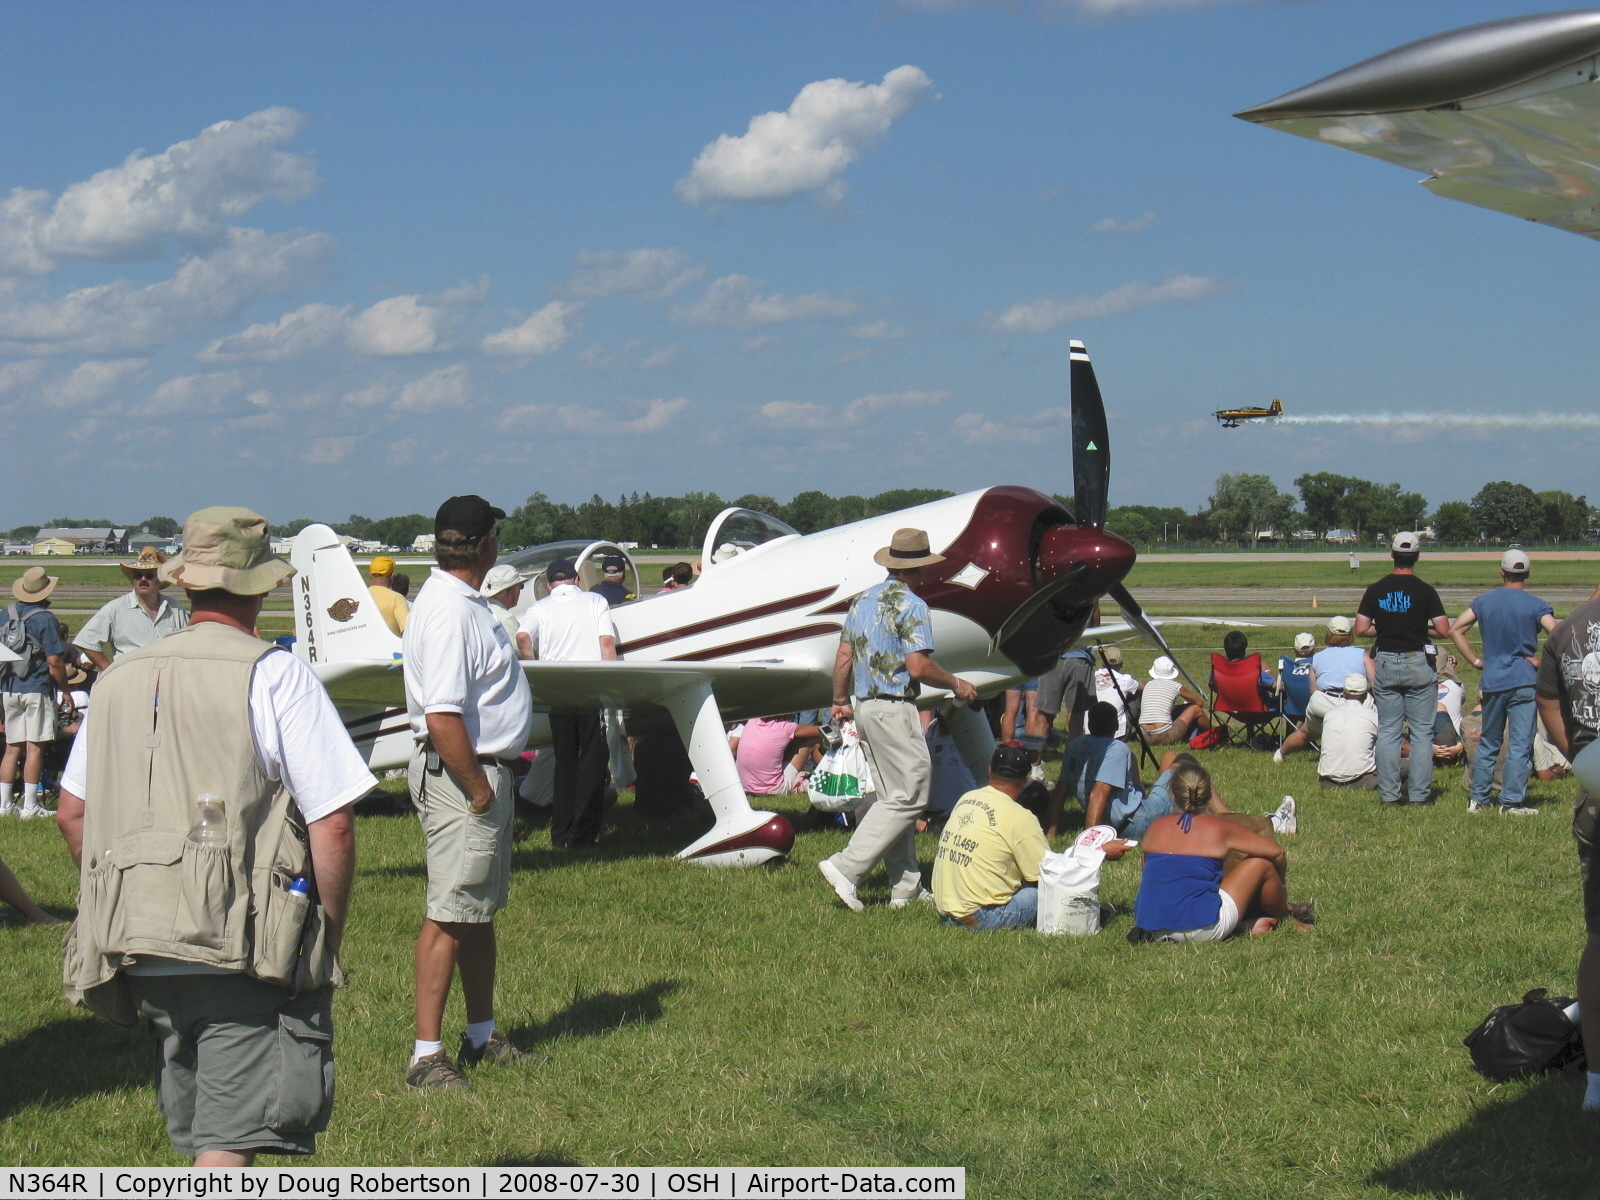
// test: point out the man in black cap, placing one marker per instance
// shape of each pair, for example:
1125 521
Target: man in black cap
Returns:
986 874
614 586
572 625
471 712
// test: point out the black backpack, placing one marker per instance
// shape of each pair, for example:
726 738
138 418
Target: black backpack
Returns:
1527 1039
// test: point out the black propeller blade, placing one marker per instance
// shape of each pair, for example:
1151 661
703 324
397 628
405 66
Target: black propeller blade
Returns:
1135 615
1091 451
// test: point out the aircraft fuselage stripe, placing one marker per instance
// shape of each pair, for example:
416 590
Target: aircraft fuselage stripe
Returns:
758 643
733 618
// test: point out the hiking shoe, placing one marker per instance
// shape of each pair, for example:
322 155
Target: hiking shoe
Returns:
923 896
496 1052
435 1071
841 885
1478 805
1512 810
1284 819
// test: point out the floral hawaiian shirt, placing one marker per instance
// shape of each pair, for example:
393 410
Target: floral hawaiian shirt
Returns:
886 622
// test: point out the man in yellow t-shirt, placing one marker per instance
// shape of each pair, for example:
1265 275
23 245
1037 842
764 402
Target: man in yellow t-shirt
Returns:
392 606
986 874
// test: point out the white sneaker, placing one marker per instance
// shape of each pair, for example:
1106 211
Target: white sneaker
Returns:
1478 805
1036 773
1284 819
1277 755
841 885
29 814
1506 810
9 809
923 896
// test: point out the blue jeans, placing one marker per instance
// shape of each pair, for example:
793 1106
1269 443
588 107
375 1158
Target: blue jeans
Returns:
1158 803
1509 713
1405 688
1021 911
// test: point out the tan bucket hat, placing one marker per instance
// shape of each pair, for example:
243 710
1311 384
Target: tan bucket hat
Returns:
226 548
907 549
34 586
150 559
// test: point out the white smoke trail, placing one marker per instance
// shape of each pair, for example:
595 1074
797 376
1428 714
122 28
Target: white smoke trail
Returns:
1452 420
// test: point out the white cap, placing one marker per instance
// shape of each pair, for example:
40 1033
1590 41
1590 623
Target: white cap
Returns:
1355 685
500 577
1515 562
1339 625
1406 543
1303 641
1163 668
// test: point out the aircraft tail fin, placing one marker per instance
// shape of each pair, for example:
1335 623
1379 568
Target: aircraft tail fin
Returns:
1277 408
335 619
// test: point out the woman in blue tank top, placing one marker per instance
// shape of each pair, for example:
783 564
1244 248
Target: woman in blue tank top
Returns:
1184 896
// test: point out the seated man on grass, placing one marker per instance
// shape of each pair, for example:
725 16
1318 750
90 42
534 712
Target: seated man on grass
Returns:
986 873
1349 736
1104 776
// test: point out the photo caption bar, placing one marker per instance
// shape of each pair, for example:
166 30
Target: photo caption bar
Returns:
485 1183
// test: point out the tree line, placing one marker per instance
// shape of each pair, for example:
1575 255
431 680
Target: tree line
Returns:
1244 507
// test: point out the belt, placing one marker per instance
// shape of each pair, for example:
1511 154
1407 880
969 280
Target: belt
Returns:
901 699
427 747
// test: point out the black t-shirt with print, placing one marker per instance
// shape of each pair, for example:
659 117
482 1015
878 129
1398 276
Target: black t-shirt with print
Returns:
1573 646
1402 607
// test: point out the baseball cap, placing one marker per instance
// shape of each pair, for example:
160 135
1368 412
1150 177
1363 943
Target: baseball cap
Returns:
1405 543
562 568
1010 761
382 565
1339 625
1355 685
470 516
1303 641
1516 562
613 562
1113 656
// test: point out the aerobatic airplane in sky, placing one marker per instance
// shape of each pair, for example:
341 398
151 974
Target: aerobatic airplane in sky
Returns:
1230 417
758 633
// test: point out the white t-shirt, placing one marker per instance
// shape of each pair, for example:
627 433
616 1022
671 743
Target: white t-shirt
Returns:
300 740
567 625
1349 732
1450 694
1108 681
459 660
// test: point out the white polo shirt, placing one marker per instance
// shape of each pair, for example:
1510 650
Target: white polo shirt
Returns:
567 625
1349 732
458 659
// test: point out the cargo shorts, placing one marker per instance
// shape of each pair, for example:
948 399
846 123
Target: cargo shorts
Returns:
243 1065
1586 829
468 854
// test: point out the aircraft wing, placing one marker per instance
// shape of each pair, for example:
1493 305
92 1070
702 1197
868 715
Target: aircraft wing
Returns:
1504 115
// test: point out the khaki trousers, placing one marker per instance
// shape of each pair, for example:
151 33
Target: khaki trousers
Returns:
897 755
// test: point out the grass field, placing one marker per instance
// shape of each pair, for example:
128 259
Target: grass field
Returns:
714 1018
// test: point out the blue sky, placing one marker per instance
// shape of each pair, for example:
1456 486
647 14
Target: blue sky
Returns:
323 259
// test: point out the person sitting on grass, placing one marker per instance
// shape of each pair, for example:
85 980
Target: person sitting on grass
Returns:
986 872
1168 711
1184 895
766 753
1349 738
1158 803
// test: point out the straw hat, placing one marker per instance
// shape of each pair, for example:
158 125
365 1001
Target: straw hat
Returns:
34 586
226 548
907 549
149 559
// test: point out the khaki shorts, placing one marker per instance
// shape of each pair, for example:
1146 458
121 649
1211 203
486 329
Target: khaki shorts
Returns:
469 854
244 1065
1174 733
30 717
1586 828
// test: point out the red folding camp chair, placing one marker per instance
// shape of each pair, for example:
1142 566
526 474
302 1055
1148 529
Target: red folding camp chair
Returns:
1235 695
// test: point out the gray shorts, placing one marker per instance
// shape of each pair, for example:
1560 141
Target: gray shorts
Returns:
1067 687
469 854
244 1065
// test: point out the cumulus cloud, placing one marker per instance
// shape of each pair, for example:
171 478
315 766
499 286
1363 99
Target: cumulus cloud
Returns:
648 274
443 390
877 331
326 451
1111 225
119 316
554 420
189 395
187 193
314 327
1046 313
14 376
91 382
627 357
830 124
732 302
976 429
545 332
805 415
397 326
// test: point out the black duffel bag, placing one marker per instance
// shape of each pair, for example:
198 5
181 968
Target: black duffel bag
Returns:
1529 1038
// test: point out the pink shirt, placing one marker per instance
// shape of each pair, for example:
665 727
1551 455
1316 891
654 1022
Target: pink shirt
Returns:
760 755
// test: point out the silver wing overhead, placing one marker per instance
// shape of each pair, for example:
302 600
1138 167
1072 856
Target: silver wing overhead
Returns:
1504 115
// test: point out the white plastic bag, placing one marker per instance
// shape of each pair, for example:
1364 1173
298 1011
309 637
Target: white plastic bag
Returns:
1069 885
841 780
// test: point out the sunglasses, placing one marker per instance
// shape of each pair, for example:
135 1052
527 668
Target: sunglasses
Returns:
144 575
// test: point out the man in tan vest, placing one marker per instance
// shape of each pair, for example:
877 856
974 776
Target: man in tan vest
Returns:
208 801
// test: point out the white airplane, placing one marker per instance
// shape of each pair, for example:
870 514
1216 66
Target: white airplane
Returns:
1505 115
758 633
